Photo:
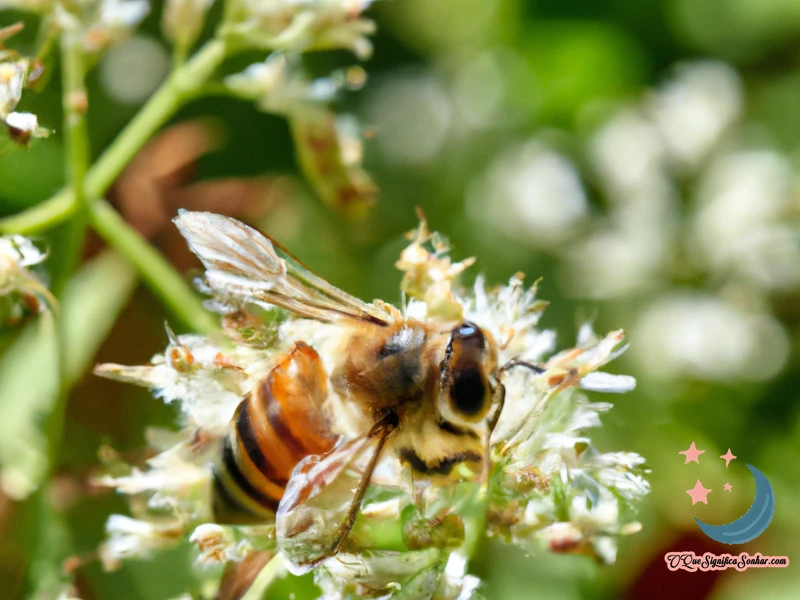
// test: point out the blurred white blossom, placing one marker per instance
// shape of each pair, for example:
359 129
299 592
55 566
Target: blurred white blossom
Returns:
20 289
218 545
413 113
111 21
694 109
94 24
536 196
21 127
279 85
132 70
329 147
629 155
299 26
134 538
741 224
691 199
12 80
700 336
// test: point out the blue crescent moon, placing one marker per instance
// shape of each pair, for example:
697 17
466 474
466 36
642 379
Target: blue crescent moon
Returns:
752 523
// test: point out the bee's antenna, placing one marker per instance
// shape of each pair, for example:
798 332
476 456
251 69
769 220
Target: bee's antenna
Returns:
490 425
538 369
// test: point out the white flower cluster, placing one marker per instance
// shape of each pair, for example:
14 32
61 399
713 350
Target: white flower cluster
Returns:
279 86
101 23
21 290
546 481
302 25
329 147
14 72
97 23
691 197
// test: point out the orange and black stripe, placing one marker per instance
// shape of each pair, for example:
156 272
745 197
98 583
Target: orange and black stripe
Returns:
276 425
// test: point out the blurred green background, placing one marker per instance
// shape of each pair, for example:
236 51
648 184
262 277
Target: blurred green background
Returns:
641 157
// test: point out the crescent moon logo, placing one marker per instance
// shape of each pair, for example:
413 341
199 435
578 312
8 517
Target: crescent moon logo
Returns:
752 523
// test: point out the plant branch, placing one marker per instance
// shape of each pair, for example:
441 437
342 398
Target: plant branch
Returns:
75 103
157 273
182 85
47 547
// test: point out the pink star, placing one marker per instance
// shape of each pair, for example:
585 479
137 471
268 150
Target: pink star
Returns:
728 457
728 487
698 493
692 454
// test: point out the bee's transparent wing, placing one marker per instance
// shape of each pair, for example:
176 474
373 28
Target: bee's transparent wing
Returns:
242 263
322 500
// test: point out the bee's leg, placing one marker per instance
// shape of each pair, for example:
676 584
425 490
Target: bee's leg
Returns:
382 429
490 425
514 362
412 485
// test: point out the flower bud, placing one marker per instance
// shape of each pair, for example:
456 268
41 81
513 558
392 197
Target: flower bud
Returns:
182 20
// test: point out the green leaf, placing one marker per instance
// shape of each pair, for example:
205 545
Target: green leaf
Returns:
30 372
91 303
28 389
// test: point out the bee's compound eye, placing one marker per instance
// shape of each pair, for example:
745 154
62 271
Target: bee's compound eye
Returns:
469 334
469 394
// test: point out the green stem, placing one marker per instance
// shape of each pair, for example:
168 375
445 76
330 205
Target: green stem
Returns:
156 272
182 85
47 551
74 102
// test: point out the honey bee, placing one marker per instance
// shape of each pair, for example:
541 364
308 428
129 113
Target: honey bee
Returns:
429 393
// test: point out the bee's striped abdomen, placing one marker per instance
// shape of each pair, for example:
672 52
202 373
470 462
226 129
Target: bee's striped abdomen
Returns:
276 425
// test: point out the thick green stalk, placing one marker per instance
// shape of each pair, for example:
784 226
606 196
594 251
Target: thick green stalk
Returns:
75 103
76 160
157 273
181 86
48 538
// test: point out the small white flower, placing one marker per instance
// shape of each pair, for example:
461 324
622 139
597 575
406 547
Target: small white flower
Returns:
279 86
174 483
699 335
112 21
182 20
308 25
511 313
208 392
537 196
20 289
23 126
24 121
217 545
133 538
606 382
68 594
12 80
695 108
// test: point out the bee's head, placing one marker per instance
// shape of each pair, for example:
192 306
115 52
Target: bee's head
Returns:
468 383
